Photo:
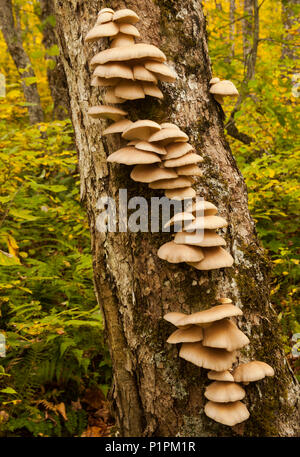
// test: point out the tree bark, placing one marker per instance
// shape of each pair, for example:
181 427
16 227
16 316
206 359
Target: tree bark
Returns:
55 73
290 18
155 392
12 35
232 26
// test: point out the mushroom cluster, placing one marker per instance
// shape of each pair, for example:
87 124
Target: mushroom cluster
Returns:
198 244
221 89
211 339
128 70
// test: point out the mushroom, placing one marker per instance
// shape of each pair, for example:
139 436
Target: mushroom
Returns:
252 371
211 359
152 90
114 70
129 90
224 392
208 238
188 159
175 150
174 183
110 96
129 29
122 40
141 130
105 16
106 112
150 173
103 82
142 74
189 170
224 300
206 222
176 253
146 146
179 217
174 318
227 413
214 81
210 315
102 30
126 15
132 156
186 335
223 88
169 135
117 127
225 334
220 376
215 257
162 71
136 52
180 194
209 209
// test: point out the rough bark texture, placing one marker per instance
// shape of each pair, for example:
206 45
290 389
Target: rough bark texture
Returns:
156 392
12 34
290 18
56 74
232 26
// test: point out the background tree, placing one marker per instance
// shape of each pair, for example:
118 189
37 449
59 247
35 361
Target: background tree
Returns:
156 393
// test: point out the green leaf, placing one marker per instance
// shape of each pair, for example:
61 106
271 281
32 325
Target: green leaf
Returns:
8 390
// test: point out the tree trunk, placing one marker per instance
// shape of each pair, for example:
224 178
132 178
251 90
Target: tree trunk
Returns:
247 27
55 73
155 392
290 18
232 26
12 35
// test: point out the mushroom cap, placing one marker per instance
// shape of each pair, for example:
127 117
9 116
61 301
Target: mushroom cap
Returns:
110 96
213 314
129 29
219 98
199 206
187 159
227 413
141 130
224 88
175 150
180 194
220 376
142 74
176 253
215 257
105 10
126 15
146 146
122 40
117 127
106 112
103 82
214 81
179 217
186 335
189 170
206 222
135 53
174 317
252 371
211 359
208 238
129 90
173 183
132 156
150 173
224 334
224 300
114 70
101 31
161 70
103 17
224 392
152 90
168 135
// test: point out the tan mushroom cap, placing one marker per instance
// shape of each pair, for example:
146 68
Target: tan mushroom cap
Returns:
106 16
150 173
133 53
129 29
140 73
224 300
110 96
224 88
186 335
220 376
104 82
175 150
114 70
174 183
207 222
174 317
122 40
129 90
161 70
126 15
189 170
179 217
106 10
168 135
176 253
152 90
102 30
213 314
208 208
180 194
227 413
224 334
224 392
132 156
106 112
209 238
211 359
146 146
214 81
117 127
214 257
141 130
252 371
169 125
187 159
